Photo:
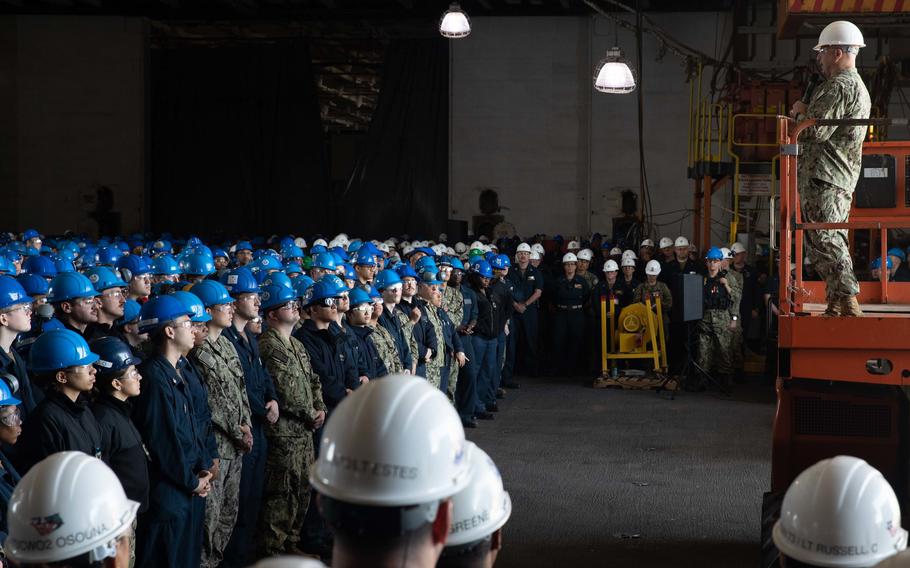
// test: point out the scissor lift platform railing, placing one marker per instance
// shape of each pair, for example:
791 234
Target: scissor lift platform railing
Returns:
874 348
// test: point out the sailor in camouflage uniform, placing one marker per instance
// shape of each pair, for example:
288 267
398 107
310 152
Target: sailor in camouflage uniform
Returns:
830 161
221 370
290 453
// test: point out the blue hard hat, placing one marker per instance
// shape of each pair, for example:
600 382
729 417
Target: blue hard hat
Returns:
293 267
325 260
489 255
425 263
444 260
33 284
405 271
161 246
30 234
59 349
132 265
500 262
877 263
385 279
320 291
198 264
212 293
373 292
354 246
277 279
243 245
302 284
219 253
898 253
193 241
165 264
457 264
87 259
483 268
318 249
12 293
338 283
131 309
430 277
276 295
194 305
6 267
62 265
240 281
70 285
340 254
291 251
365 258
714 253
6 395
426 250
338 259
40 265
123 246
199 249
159 311
113 355
359 296
267 262
103 278
12 255
108 256
349 272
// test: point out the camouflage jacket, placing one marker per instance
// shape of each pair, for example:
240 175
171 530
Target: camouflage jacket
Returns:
298 386
453 303
219 365
833 154
385 346
736 290
433 316
659 288
407 329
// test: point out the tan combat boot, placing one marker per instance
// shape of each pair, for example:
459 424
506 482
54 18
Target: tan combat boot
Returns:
850 307
834 308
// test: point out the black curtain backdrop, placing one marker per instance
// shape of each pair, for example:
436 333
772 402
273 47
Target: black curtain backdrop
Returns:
237 145
400 182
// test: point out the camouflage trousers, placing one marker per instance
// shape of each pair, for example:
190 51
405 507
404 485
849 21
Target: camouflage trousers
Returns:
286 494
453 379
433 372
829 250
221 511
714 352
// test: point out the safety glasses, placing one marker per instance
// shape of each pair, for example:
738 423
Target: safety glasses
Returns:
290 306
363 308
11 419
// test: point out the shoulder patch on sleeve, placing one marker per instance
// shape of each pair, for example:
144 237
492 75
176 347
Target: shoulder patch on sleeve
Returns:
206 358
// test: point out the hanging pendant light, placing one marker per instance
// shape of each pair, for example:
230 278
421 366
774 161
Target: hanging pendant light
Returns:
454 23
613 74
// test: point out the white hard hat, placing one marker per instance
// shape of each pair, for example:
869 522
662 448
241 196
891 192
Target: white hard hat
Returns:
726 252
67 505
610 266
335 243
628 261
615 251
569 257
319 242
585 254
407 250
384 247
737 248
392 443
840 33
484 506
666 242
523 247
629 253
538 247
838 504
288 562
403 244
450 251
476 245
492 247
652 268
573 245
300 242
681 242
461 248
343 237
535 255
647 243
439 249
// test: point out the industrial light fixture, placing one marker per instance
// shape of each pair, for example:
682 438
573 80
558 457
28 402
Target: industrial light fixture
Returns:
454 23
613 74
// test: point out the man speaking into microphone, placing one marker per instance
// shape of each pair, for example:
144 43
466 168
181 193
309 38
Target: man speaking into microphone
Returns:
830 162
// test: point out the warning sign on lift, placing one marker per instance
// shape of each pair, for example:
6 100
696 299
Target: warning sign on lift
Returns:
755 184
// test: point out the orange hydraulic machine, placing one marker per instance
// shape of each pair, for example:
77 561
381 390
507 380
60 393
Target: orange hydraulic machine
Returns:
839 380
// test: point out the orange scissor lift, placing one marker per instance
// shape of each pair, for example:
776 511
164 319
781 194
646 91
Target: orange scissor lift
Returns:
839 380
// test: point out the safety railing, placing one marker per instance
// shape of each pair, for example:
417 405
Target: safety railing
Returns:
732 145
792 227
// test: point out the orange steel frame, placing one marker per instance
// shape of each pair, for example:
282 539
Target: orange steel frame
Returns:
835 348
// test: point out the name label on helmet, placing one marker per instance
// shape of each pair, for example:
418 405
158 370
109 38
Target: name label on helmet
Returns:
471 522
830 549
62 541
375 469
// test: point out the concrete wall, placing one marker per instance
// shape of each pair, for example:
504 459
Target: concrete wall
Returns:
72 118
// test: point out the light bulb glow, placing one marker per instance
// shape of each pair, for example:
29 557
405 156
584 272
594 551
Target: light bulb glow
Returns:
454 23
613 74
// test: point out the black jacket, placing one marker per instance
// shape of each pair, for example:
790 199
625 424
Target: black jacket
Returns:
424 333
29 394
327 359
126 454
486 314
375 367
58 424
259 386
